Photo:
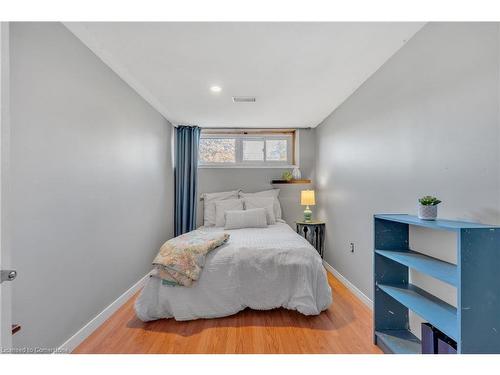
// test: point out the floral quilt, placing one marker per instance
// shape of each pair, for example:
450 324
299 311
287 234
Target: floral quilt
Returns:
181 259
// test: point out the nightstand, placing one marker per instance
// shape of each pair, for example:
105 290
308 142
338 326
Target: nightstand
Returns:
314 232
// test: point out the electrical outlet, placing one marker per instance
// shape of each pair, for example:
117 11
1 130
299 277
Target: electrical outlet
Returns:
352 247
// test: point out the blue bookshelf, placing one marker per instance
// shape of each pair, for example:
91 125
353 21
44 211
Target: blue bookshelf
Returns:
474 324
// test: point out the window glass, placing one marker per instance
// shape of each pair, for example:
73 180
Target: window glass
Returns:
217 150
276 150
253 150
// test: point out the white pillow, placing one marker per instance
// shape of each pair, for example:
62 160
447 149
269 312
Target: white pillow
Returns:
253 218
225 205
209 200
267 193
262 202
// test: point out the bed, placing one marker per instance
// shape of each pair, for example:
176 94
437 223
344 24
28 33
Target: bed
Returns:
258 268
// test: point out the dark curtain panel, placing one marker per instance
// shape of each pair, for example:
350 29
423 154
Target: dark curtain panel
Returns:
186 176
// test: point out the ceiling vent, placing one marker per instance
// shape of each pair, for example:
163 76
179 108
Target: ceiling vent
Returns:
244 99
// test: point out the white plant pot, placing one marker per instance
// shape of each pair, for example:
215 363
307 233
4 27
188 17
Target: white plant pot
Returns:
296 173
427 212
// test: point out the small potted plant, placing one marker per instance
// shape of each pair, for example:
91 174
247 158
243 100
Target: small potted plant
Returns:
287 176
427 209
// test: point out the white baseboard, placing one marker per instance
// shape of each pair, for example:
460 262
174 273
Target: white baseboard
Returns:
91 326
358 293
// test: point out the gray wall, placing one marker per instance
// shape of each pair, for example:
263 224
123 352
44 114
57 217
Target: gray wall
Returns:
426 123
256 179
92 184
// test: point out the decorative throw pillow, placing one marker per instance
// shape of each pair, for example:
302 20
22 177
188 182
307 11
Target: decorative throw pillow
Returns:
209 200
225 205
262 202
253 218
267 193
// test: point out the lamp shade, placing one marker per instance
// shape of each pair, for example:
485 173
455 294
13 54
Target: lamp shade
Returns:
307 198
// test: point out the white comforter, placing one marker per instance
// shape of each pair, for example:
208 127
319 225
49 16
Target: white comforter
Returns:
260 268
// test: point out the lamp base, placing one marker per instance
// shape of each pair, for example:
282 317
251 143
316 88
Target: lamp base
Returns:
307 215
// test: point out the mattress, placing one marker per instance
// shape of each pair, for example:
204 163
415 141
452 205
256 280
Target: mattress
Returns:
258 268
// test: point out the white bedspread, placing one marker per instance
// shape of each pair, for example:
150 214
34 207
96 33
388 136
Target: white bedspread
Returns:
260 268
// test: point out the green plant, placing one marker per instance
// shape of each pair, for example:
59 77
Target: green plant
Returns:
429 200
287 175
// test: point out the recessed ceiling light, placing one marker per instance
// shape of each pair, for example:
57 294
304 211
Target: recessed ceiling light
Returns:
216 89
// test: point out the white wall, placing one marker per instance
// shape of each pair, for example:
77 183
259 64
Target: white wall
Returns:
5 261
426 123
92 184
256 179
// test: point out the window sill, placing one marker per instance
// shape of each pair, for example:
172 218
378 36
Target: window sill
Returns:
247 166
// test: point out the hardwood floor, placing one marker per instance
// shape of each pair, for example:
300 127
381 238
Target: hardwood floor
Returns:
346 327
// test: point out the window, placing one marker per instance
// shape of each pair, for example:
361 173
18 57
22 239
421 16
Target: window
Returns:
246 148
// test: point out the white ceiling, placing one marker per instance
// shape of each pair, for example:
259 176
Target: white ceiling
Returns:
299 72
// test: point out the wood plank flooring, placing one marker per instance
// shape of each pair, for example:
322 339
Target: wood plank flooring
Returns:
346 327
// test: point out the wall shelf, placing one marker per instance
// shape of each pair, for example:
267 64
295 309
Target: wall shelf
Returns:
474 323
291 182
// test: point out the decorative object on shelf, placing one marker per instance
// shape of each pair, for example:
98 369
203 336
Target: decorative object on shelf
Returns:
314 232
446 346
296 173
475 277
427 209
428 339
287 176
436 342
307 199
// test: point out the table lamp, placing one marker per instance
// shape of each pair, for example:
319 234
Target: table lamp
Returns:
307 199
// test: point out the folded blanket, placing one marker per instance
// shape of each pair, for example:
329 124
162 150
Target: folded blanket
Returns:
180 260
